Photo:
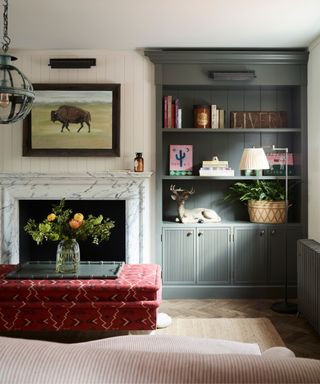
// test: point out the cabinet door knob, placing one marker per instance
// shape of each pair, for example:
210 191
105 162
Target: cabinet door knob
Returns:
262 232
273 232
189 234
200 234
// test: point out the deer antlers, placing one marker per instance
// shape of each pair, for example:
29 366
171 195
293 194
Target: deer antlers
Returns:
184 195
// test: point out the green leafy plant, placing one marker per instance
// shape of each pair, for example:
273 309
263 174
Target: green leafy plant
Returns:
257 190
61 224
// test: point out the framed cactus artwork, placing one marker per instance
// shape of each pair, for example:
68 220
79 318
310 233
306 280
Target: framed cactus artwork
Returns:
181 160
73 120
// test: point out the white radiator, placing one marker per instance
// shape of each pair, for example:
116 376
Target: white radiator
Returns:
308 259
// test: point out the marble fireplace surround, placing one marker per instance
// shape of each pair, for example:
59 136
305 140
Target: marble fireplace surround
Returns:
114 185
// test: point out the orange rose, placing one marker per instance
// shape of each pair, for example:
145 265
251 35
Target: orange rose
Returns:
51 217
74 224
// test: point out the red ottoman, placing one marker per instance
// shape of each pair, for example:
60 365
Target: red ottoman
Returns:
129 302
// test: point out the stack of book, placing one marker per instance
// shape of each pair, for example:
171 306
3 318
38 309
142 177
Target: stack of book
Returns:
172 113
217 117
277 163
215 168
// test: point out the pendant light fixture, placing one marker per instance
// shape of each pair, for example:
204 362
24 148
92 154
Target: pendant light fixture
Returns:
16 91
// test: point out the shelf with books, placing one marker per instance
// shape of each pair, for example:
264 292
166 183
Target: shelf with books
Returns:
237 177
229 130
244 107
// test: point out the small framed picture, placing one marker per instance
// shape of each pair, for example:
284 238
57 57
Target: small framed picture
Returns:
181 160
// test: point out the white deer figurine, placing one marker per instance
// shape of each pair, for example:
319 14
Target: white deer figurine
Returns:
196 215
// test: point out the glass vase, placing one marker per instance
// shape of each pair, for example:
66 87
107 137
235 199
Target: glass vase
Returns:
68 256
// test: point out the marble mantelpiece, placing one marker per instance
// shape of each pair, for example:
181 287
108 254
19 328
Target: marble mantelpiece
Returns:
114 185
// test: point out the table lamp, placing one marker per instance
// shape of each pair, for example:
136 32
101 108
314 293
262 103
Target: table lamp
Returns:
253 161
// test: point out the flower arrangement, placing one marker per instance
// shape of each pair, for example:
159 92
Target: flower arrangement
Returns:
61 224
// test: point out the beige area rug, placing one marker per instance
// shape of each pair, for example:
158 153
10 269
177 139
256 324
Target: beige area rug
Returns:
256 330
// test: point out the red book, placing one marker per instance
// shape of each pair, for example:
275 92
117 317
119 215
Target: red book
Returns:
165 111
169 111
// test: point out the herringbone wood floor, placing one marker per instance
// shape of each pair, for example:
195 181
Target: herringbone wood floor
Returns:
295 331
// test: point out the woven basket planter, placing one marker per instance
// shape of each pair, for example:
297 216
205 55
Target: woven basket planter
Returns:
268 212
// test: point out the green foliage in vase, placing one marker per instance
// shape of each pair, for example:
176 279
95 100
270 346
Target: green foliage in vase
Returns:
61 224
257 190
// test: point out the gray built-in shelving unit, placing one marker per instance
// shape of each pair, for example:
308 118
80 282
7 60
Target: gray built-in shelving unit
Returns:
234 258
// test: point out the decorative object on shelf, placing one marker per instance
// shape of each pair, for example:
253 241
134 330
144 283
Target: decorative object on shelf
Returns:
61 226
72 63
138 162
271 212
266 200
196 215
181 160
201 116
16 91
253 161
215 167
262 119
73 120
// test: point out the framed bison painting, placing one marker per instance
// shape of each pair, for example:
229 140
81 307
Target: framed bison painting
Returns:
73 120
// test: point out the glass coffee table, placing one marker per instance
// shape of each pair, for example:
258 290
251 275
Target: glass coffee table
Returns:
47 270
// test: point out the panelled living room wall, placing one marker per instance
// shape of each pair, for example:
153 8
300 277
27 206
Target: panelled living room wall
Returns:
135 74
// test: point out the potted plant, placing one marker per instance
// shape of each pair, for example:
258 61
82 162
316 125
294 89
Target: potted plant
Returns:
265 200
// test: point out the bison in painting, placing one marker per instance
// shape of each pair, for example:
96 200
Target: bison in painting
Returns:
67 114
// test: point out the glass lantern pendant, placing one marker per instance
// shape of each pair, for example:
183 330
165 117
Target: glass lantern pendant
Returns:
16 91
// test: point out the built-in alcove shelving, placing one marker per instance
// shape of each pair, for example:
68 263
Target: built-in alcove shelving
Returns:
279 85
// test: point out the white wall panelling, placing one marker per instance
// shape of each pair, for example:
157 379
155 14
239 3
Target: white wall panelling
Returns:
129 68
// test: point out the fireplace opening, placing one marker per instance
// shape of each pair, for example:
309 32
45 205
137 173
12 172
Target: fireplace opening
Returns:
112 250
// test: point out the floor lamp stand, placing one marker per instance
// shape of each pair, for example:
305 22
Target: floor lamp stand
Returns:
285 306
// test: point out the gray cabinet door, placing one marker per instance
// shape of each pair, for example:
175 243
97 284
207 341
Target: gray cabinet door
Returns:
179 255
250 255
213 256
281 242
277 257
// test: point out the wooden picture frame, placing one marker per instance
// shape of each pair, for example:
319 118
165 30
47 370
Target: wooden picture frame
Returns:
73 120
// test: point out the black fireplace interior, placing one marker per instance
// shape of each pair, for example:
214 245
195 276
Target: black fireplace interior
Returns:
111 250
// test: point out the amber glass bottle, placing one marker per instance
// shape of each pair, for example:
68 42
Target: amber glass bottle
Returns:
138 162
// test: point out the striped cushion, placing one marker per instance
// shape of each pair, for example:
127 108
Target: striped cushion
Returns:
169 343
39 362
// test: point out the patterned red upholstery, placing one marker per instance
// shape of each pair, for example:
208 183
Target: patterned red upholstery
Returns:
129 302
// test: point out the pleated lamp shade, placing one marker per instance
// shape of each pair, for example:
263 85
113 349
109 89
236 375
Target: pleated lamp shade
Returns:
253 159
